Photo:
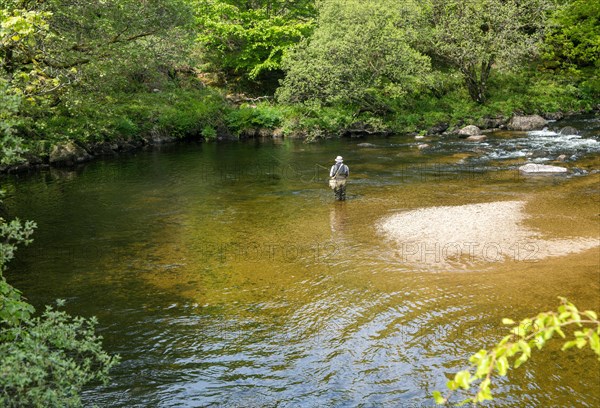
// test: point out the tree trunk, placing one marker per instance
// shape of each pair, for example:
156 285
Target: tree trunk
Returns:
477 84
8 63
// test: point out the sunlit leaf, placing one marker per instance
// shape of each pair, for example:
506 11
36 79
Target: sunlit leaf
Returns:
502 366
439 399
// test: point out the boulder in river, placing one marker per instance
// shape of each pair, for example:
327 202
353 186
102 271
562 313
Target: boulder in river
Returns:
470 130
68 154
531 122
102 149
423 146
476 138
438 129
497 122
532 168
579 171
159 136
125 145
569 130
366 145
554 115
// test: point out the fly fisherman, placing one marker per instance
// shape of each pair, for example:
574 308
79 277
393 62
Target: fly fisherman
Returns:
339 173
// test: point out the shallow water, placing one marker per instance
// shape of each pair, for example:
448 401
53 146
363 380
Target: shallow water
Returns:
227 275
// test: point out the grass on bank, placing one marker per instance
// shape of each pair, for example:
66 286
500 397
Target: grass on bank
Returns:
205 113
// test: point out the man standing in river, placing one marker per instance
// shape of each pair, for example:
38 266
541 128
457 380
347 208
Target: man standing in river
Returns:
339 173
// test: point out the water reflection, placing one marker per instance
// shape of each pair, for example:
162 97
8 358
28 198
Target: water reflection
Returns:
226 280
338 218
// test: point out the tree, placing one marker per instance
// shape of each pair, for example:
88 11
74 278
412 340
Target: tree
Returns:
54 54
45 360
476 36
19 32
523 338
58 43
572 41
246 40
360 53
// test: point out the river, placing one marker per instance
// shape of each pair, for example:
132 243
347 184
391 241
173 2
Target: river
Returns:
226 275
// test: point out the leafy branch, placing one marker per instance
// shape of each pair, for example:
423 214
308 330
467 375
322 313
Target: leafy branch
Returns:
523 337
46 360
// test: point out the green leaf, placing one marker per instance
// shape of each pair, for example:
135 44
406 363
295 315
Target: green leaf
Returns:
539 341
462 378
505 340
484 393
452 385
569 344
548 333
512 350
595 342
502 365
483 368
523 358
508 321
476 358
525 348
591 314
439 399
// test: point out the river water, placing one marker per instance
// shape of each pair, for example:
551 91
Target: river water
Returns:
226 275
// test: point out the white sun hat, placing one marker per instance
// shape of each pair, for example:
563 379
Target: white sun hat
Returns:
339 159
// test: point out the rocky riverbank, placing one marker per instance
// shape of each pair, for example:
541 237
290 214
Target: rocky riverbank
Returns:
71 153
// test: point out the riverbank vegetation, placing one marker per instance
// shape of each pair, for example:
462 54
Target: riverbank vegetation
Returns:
93 72
47 359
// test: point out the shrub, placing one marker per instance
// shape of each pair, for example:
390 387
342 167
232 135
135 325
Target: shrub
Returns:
44 361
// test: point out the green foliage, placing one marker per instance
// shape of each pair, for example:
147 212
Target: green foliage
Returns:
312 120
53 51
247 118
46 360
209 132
515 348
352 62
21 32
188 117
573 38
475 36
46 46
11 146
178 113
244 39
359 54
